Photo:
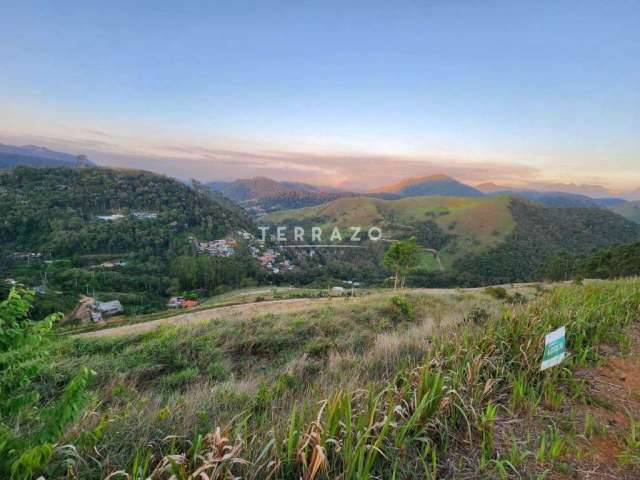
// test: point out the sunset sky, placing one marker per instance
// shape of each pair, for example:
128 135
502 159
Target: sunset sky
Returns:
349 93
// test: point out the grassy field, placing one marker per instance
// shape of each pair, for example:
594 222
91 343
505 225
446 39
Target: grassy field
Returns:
393 385
478 223
234 297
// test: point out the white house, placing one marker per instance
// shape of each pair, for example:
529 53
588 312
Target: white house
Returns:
145 215
109 308
110 218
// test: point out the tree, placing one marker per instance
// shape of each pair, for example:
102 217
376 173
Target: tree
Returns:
29 431
402 257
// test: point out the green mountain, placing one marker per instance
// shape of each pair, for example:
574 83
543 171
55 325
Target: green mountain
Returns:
59 225
542 233
436 185
478 240
34 156
261 194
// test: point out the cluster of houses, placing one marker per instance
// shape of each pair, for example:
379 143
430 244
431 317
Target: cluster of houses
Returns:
218 248
181 302
268 259
226 247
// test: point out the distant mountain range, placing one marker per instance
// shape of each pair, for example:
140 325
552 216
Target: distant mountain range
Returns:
442 185
262 187
563 199
266 194
35 156
263 195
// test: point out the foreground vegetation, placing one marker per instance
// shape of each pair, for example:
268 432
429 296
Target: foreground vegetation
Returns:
388 386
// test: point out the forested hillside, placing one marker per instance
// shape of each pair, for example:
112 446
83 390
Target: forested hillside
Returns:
59 226
616 261
630 210
262 194
541 234
479 240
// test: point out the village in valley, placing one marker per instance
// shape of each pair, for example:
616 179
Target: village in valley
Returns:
271 258
90 309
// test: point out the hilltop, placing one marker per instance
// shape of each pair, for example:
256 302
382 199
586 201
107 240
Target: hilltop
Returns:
261 194
263 187
35 156
435 185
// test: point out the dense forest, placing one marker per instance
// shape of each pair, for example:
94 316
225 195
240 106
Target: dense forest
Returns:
51 235
541 234
612 262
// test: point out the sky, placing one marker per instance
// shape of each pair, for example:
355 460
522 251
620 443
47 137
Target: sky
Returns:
351 93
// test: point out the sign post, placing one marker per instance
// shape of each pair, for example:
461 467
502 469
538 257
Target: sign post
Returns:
554 348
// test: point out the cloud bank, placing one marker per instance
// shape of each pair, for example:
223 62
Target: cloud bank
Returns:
358 171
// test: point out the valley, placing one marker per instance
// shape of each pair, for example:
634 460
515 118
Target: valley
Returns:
141 239
287 240
220 349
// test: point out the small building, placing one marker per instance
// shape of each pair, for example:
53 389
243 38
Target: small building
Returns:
145 215
175 302
112 264
109 308
110 218
338 291
181 302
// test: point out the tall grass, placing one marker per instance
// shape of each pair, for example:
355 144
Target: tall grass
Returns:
411 425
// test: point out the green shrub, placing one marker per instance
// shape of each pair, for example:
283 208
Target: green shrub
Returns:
517 299
499 293
477 315
403 306
30 430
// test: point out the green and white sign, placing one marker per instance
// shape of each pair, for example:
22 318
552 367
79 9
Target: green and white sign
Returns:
554 349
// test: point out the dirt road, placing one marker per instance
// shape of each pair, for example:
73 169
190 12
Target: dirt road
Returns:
246 309
249 309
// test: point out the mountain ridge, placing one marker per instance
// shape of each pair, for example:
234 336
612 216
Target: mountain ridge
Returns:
36 156
432 185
